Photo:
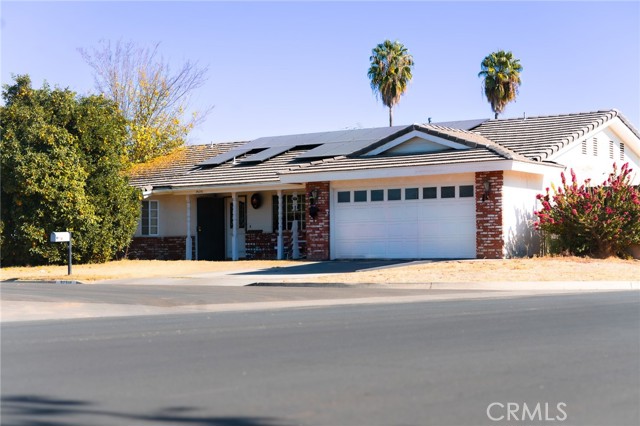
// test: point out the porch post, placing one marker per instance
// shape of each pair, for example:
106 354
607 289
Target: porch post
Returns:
189 254
295 250
234 219
280 248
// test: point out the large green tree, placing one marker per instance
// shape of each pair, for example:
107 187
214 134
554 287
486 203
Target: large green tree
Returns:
152 97
390 73
63 159
501 79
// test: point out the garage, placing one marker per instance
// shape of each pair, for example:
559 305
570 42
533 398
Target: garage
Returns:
430 221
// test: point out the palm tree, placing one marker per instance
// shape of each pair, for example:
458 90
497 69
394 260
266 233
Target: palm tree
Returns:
390 72
501 72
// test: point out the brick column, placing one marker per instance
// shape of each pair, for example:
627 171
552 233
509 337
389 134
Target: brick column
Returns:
318 228
489 238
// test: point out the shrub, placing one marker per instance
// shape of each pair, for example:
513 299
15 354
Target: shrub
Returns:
600 221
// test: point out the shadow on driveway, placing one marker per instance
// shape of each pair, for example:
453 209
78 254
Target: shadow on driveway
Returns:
328 267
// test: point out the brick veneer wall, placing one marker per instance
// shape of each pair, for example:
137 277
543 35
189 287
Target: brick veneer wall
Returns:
489 239
318 228
264 245
159 248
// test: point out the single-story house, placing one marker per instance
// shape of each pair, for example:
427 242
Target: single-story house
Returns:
464 189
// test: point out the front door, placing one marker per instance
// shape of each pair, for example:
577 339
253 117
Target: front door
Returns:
211 236
242 220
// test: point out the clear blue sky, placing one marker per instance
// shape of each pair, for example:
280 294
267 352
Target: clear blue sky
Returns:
297 67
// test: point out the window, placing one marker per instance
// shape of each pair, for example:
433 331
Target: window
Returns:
289 212
448 192
429 192
621 151
149 222
344 197
411 194
377 195
394 194
242 214
595 147
584 147
360 196
466 191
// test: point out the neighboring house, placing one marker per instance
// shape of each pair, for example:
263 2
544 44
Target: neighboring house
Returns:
450 190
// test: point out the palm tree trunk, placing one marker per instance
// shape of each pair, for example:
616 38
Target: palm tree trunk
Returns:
390 116
496 115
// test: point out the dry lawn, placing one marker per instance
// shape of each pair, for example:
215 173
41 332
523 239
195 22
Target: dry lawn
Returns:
122 269
538 269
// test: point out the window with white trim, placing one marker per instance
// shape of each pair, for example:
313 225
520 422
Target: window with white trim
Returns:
595 147
447 192
290 211
466 191
621 151
149 220
360 196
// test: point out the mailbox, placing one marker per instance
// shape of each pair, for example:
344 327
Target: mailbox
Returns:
60 237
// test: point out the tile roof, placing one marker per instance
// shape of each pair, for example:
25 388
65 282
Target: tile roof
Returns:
531 139
537 138
185 174
350 163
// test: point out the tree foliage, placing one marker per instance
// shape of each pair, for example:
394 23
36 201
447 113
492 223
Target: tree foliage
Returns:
152 98
390 73
501 73
601 221
62 167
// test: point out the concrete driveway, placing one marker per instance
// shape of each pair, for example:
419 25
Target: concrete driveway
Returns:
244 277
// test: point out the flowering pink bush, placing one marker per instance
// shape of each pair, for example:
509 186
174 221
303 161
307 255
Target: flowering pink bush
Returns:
599 221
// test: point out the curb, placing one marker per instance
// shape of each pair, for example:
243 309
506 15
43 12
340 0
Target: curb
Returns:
488 286
541 285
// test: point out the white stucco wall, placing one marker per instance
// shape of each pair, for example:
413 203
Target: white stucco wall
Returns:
519 203
260 219
172 216
597 167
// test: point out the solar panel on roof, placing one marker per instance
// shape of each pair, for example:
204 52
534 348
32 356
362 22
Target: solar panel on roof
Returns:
226 156
266 154
321 138
365 138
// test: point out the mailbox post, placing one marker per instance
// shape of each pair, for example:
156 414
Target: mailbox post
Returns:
63 237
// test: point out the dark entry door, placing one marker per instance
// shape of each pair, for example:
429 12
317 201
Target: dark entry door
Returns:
211 229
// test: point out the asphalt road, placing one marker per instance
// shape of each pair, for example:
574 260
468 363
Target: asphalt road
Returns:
573 359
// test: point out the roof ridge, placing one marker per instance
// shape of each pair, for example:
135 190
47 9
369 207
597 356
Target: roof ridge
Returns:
532 117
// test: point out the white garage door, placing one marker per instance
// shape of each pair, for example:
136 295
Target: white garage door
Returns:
405 223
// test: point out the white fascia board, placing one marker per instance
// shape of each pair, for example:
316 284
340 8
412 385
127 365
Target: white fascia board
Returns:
204 189
627 136
416 134
441 169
